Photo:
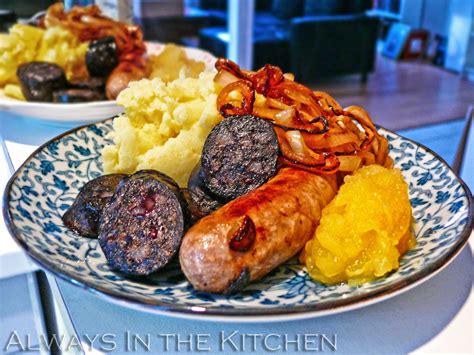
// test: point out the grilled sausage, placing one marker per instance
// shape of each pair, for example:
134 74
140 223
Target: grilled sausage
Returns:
239 155
250 236
121 76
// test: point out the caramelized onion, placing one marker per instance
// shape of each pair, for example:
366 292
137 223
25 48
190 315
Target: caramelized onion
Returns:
286 117
314 132
294 149
297 144
330 141
349 162
248 98
330 100
88 23
289 76
225 78
330 166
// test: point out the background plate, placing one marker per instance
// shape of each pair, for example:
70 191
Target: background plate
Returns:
89 112
47 183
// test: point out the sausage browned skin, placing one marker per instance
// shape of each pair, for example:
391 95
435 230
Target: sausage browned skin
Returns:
283 213
121 76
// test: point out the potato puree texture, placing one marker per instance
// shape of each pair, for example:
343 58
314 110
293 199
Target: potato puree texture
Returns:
364 230
171 62
164 126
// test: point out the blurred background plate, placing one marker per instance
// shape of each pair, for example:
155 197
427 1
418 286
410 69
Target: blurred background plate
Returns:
83 113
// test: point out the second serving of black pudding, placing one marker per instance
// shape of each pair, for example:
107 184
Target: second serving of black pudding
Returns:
38 80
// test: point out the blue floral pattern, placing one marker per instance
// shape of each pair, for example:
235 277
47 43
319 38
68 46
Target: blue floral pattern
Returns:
48 182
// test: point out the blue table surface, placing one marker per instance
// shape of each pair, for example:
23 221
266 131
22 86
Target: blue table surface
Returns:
399 325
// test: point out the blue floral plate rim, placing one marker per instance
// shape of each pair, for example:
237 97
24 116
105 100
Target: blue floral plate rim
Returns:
251 313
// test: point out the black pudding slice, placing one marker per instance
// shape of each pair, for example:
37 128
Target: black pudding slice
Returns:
239 155
84 214
102 56
143 224
200 201
92 83
38 80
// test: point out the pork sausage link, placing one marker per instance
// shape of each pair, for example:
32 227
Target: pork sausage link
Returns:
121 76
219 251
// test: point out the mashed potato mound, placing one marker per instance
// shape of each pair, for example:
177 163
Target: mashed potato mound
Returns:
171 62
164 126
364 230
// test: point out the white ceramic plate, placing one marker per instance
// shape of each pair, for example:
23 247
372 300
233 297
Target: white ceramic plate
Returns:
89 112
47 183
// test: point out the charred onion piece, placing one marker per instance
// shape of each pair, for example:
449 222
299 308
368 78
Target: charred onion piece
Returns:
244 237
266 78
88 24
330 166
223 64
248 97
307 128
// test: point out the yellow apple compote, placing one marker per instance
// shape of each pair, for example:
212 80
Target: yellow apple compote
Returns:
364 230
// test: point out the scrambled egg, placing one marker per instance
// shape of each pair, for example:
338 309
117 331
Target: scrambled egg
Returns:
26 43
164 126
364 230
63 48
19 46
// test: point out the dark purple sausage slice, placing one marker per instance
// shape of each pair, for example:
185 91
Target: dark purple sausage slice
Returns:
84 214
77 95
200 201
142 225
195 180
239 155
93 83
102 57
38 80
200 204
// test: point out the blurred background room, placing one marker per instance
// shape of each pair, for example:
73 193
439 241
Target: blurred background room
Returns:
409 63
